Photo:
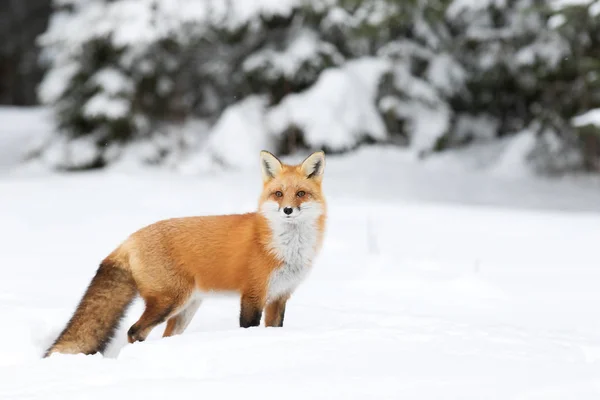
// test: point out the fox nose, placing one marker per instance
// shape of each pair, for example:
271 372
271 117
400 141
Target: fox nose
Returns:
288 210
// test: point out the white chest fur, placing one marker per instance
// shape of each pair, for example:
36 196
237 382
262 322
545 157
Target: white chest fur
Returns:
295 244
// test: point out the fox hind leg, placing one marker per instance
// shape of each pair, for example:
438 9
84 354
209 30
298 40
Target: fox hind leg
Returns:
178 323
275 312
157 311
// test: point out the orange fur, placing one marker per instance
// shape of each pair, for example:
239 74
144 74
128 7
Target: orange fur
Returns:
173 262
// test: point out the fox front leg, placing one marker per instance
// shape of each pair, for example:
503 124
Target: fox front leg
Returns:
251 310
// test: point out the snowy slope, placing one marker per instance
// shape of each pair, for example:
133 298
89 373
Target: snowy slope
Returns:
18 128
432 284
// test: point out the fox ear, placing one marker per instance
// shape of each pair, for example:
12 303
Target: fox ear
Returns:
270 165
314 165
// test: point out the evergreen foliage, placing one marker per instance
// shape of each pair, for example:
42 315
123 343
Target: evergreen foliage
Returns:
438 74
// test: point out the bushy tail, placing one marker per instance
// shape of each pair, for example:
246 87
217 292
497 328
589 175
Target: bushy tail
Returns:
99 312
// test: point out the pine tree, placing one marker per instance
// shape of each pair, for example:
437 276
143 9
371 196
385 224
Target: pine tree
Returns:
427 74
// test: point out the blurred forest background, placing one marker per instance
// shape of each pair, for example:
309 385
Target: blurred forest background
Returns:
211 82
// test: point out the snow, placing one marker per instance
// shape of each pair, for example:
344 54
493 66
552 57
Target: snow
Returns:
130 28
482 127
435 280
104 105
244 11
239 134
556 21
421 101
338 110
21 128
305 47
459 6
549 49
431 284
336 16
591 117
56 81
446 74
513 161
76 153
426 124
558 4
593 5
112 81
427 116
134 22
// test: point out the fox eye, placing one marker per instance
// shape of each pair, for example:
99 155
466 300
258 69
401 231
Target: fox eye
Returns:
278 193
301 193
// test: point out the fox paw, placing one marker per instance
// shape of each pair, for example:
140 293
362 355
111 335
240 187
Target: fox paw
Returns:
133 335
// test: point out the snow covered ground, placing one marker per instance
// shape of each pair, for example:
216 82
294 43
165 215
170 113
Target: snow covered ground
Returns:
433 283
19 127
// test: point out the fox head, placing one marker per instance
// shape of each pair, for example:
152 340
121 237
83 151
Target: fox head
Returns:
292 193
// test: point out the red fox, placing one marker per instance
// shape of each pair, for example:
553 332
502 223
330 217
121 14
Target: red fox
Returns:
174 264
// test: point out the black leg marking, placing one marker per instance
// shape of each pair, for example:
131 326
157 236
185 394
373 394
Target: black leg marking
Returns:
250 318
250 313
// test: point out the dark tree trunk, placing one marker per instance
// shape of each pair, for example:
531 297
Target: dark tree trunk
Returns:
21 21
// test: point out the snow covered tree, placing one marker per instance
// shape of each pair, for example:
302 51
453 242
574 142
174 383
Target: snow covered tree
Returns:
531 70
125 71
573 88
183 79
